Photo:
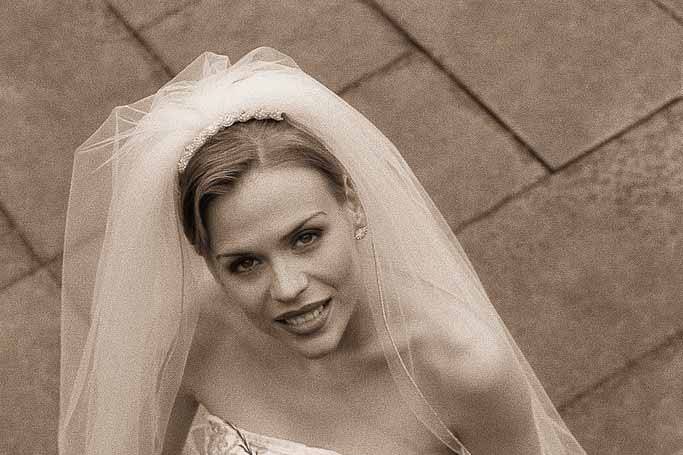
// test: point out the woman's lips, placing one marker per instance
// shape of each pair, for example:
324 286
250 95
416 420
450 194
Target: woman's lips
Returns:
303 310
306 321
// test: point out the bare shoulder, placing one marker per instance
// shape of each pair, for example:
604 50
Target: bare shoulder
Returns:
477 386
462 364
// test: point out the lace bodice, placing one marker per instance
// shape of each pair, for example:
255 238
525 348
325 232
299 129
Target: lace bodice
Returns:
216 437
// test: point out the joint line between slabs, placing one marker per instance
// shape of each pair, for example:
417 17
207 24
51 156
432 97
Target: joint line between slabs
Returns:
21 277
15 227
461 85
383 69
457 230
166 14
135 34
54 275
625 130
575 161
668 11
628 366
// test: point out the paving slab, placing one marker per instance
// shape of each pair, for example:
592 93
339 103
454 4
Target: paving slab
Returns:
5 225
564 75
17 260
636 412
29 366
58 86
675 6
585 267
141 14
55 268
335 41
464 159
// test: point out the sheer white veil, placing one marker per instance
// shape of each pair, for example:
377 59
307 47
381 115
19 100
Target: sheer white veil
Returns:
132 283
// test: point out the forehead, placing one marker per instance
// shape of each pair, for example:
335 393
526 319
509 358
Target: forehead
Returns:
265 202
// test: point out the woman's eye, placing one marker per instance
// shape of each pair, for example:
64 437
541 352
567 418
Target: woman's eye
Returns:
306 238
244 265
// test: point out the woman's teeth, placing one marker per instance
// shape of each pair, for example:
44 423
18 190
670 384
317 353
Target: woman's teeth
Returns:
303 318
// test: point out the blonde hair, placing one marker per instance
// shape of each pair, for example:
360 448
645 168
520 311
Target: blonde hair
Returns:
219 164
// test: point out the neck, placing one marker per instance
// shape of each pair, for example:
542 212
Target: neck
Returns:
360 338
358 350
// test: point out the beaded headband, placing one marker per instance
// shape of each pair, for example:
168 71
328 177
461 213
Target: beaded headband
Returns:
223 122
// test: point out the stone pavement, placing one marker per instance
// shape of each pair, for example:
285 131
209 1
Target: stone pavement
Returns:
549 133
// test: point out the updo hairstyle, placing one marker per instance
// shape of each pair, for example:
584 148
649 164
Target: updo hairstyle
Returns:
217 166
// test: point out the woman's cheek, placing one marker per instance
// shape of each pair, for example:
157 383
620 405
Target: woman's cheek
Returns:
338 261
248 296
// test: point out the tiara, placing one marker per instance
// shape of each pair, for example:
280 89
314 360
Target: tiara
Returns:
224 121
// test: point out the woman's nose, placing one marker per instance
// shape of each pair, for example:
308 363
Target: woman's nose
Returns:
287 283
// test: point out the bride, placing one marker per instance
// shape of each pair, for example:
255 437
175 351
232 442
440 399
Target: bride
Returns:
247 241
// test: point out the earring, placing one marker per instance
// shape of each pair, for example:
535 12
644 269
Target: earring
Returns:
360 232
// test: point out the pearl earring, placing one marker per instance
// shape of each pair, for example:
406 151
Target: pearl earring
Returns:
360 232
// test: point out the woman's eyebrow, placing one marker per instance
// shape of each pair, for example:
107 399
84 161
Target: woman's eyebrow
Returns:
301 224
284 238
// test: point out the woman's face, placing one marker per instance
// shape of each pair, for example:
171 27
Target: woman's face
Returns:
282 247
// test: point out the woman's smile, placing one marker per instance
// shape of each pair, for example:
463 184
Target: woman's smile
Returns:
284 251
308 320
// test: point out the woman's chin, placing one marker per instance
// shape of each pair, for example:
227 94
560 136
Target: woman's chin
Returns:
311 348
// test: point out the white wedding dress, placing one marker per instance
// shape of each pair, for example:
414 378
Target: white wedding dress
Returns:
215 437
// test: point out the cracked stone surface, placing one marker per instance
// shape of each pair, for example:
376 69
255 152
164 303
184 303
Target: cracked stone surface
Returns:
564 78
335 41
585 267
445 137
